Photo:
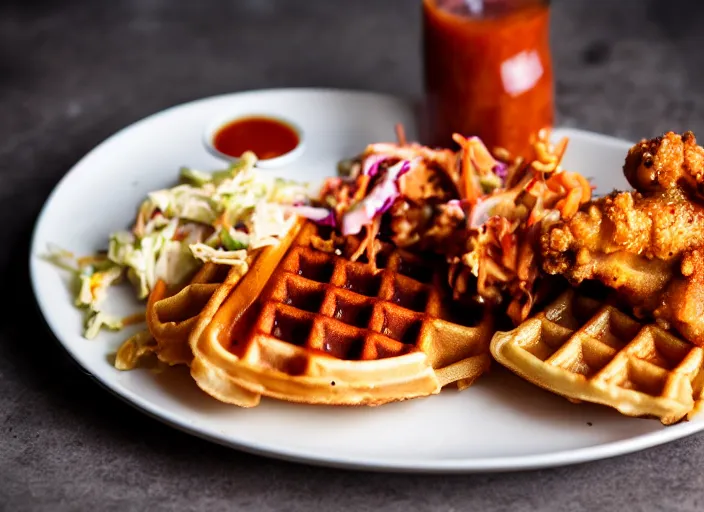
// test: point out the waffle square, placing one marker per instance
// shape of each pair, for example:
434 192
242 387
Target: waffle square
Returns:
585 350
316 327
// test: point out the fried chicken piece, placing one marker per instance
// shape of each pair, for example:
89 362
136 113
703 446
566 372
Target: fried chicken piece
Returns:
683 302
648 245
667 164
651 227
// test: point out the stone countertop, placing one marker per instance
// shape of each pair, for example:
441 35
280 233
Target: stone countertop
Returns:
73 72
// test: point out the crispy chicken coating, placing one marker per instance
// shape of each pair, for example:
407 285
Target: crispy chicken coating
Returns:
652 227
648 244
671 163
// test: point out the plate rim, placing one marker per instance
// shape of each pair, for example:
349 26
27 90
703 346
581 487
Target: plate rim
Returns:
301 455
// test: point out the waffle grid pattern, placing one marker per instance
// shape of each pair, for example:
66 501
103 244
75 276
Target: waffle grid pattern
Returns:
306 324
349 311
608 350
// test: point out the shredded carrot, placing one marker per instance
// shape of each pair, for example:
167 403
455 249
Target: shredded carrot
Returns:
570 204
158 292
481 156
560 149
179 234
400 134
509 247
467 173
499 251
535 186
137 318
545 157
538 210
587 187
372 232
363 186
223 221
577 188
520 306
361 248
565 181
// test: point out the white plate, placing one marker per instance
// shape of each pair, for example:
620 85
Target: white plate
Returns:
501 423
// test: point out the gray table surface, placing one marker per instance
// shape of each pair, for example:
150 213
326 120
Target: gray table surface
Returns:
73 72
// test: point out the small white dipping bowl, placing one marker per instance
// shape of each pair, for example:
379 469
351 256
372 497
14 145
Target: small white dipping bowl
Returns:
271 163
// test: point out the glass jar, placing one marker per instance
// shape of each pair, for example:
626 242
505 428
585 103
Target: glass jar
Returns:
488 71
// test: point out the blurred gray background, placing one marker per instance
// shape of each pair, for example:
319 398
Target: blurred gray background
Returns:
73 72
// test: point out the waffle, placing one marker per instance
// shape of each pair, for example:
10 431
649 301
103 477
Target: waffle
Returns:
318 328
585 350
171 317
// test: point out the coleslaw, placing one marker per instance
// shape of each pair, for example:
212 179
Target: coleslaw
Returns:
208 217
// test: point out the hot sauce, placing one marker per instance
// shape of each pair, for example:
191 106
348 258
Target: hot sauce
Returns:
265 137
488 71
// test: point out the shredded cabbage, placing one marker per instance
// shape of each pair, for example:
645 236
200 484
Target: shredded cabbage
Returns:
377 201
208 217
206 253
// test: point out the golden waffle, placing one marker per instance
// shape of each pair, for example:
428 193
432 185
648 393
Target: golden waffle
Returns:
326 330
170 318
587 351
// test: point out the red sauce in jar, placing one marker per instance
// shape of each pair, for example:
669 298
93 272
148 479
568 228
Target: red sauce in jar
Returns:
265 137
487 74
